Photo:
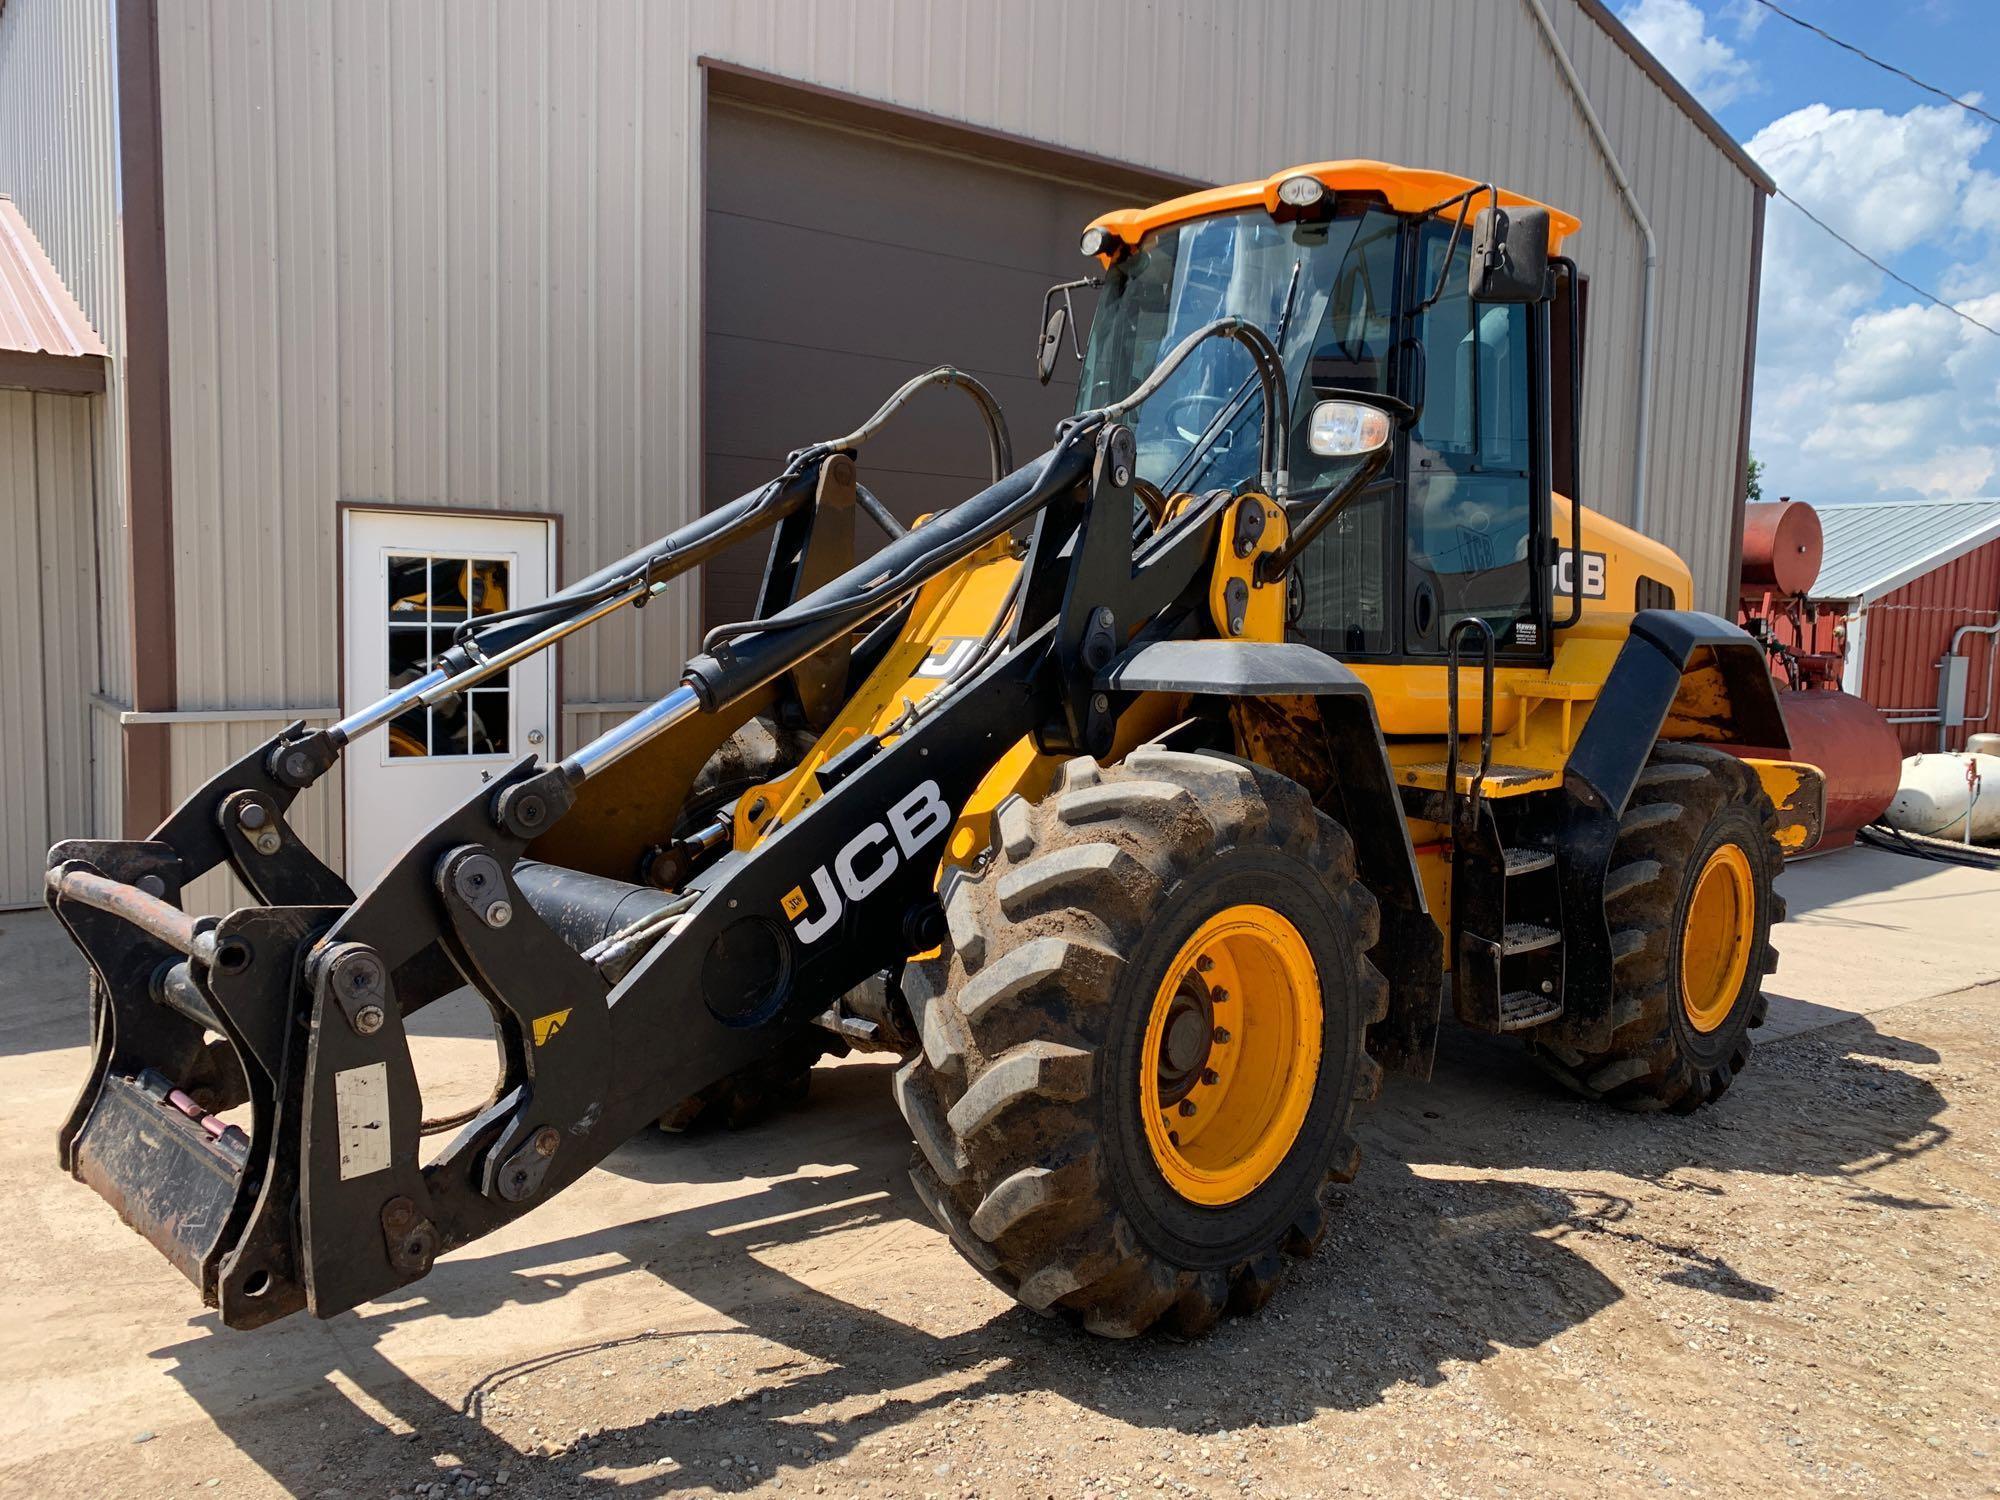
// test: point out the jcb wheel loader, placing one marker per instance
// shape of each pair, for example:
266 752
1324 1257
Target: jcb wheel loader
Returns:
1147 802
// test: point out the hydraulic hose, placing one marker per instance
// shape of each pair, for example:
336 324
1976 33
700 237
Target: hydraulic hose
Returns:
1277 435
665 557
763 649
998 441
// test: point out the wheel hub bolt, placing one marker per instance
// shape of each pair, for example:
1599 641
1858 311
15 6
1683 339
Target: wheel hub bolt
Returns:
1210 1077
1187 1106
1203 964
1222 1036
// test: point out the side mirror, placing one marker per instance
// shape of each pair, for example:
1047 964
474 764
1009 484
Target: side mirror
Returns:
1510 255
1050 348
1347 429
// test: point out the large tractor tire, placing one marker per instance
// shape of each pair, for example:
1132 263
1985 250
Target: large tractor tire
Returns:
1143 1042
760 751
1690 901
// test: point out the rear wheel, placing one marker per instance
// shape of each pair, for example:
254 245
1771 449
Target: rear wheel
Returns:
1142 1042
1690 901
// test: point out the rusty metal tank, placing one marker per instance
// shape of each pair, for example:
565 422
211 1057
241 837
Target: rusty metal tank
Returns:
1856 749
1782 547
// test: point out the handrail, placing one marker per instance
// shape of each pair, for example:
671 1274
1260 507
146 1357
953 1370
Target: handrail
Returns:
1452 643
1568 267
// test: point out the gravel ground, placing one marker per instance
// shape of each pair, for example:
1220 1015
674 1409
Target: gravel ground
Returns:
1791 1292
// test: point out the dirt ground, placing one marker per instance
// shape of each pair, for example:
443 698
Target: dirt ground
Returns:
1792 1292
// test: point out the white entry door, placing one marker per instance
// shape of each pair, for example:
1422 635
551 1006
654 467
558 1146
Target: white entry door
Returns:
412 579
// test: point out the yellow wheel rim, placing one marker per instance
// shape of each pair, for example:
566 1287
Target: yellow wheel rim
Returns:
1231 1055
1715 944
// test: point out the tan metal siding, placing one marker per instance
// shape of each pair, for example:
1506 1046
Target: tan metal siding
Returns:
58 161
23 754
107 753
48 632
451 252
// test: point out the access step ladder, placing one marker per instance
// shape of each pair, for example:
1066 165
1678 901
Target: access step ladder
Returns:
1506 908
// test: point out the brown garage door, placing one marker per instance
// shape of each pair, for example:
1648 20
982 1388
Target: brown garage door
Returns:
840 264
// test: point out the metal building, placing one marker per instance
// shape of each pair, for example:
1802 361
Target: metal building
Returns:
1917 585
406 307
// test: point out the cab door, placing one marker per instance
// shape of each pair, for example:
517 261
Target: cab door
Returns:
1476 498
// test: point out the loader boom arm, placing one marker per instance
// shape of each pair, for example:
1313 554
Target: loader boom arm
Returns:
325 1202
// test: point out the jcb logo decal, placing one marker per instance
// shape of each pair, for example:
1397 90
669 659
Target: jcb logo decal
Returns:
947 655
1593 574
866 861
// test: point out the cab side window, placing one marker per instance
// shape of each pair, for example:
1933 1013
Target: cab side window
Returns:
1343 595
1470 491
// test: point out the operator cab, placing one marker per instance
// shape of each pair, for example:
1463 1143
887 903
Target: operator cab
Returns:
1366 288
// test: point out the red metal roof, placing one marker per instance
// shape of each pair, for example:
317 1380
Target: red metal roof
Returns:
37 313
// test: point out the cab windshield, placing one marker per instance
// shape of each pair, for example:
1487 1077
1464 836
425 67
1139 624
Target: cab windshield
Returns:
1201 429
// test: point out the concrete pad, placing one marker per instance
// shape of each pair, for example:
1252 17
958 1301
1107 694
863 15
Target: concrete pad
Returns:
1869 930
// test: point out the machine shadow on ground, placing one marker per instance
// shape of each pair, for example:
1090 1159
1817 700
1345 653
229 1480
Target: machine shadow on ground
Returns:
1422 1270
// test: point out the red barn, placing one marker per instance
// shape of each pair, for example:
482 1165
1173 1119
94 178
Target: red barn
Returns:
1919 585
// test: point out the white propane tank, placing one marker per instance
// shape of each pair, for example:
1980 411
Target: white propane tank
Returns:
1937 792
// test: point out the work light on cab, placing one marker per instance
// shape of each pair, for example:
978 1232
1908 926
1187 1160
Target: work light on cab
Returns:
1346 429
1301 192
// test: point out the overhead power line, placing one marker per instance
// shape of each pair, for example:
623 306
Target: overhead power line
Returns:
1886 67
1899 280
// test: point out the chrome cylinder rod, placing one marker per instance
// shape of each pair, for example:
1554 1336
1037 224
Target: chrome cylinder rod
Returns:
621 740
382 710
500 661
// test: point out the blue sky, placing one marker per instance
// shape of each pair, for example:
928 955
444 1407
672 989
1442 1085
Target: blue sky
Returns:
1864 391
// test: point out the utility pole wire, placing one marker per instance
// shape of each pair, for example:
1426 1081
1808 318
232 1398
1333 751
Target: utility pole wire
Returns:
1886 67
1899 280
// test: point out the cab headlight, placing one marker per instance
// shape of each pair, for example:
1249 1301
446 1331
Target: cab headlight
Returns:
1347 429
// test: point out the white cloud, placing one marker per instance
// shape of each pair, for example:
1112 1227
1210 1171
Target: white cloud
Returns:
1948 474
1676 32
1864 391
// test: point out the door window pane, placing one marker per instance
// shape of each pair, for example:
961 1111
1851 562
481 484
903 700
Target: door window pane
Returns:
429 596
1470 494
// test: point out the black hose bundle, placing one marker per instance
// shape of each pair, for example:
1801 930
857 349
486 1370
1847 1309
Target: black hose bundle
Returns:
1921 846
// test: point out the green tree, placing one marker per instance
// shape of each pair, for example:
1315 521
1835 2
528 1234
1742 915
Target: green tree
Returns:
1753 479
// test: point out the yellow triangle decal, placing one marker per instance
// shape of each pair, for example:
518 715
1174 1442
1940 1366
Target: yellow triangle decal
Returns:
547 1026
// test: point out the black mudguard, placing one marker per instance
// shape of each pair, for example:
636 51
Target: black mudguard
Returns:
1624 725
1362 798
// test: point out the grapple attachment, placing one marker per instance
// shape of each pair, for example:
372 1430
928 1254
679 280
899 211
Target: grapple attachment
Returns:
181 1118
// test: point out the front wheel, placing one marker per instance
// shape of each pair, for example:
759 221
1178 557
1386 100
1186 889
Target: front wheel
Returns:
1143 1041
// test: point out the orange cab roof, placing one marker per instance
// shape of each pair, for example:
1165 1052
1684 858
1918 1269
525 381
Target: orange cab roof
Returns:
1407 189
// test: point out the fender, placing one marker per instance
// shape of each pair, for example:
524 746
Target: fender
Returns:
1643 688
1362 797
